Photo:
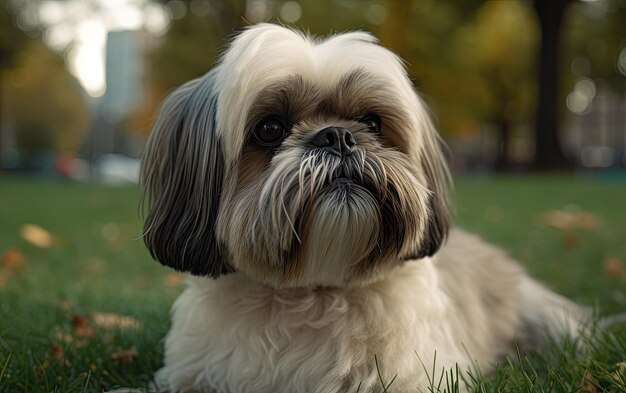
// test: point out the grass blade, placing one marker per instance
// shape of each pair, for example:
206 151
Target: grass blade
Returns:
5 366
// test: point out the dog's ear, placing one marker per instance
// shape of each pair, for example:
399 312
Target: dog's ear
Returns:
182 174
434 165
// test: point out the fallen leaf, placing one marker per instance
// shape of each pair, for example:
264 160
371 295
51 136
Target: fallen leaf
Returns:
11 262
82 327
569 240
570 219
12 258
619 374
36 235
586 220
57 354
613 266
109 320
125 356
589 384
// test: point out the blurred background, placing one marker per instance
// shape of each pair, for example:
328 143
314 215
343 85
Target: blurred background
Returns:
514 85
530 96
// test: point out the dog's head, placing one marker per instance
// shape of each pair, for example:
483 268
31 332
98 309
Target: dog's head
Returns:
296 162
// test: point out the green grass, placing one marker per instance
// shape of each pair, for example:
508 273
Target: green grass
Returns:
96 264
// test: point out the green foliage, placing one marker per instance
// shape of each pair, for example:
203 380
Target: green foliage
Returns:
11 38
47 106
98 263
452 53
595 34
502 63
192 44
181 57
474 61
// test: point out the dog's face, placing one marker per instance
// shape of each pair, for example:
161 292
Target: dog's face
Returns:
297 163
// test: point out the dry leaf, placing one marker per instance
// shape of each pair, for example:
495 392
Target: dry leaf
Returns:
36 235
588 220
125 356
613 266
11 262
82 328
569 240
57 354
12 258
568 220
109 320
619 374
589 384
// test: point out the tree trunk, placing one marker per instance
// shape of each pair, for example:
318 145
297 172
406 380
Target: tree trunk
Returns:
1 119
548 153
503 160
502 92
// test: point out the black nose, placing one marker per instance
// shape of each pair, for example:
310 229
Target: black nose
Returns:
335 140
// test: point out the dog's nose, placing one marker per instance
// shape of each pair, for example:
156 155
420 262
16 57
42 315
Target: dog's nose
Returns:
335 140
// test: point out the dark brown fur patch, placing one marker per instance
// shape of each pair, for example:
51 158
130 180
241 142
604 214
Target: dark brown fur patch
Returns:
292 99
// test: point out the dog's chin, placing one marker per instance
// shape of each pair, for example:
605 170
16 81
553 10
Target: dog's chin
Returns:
337 242
341 235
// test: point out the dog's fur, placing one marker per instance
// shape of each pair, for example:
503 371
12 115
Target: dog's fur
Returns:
320 260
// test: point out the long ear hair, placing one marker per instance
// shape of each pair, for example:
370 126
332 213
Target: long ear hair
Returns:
434 165
182 173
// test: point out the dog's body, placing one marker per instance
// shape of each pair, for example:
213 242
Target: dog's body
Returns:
233 335
304 180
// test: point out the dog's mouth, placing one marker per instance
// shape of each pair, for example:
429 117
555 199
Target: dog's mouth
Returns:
327 175
346 174
342 180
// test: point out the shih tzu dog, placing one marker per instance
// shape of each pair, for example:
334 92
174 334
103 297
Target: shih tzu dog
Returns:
302 186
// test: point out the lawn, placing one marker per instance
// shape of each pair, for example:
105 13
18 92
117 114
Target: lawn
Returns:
83 307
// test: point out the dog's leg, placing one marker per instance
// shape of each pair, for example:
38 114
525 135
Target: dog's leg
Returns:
546 315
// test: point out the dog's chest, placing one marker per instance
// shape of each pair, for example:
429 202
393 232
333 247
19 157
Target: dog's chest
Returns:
237 339
294 341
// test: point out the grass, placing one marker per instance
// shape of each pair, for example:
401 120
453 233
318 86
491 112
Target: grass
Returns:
89 312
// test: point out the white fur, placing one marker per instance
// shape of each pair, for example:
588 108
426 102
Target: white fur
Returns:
233 335
266 52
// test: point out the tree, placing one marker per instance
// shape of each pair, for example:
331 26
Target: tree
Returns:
186 51
469 60
11 42
47 105
502 63
548 152
596 36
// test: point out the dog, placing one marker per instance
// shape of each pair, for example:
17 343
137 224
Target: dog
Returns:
301 184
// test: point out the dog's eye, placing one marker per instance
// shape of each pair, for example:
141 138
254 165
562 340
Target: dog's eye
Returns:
372 122
270 133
